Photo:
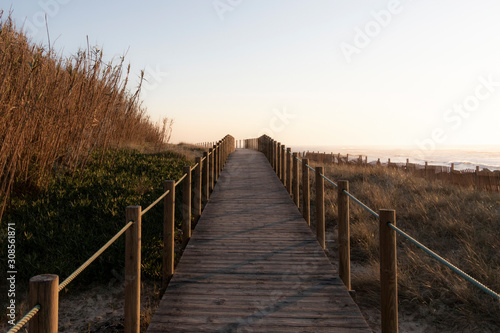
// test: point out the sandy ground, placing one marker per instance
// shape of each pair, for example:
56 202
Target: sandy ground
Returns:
99 308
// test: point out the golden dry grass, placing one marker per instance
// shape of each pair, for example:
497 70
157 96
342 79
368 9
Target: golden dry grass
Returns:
460 224
55 111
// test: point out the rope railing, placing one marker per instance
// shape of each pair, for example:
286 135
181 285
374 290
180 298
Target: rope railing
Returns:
443 261
24 320
274 151
155 202
307 165
368 209
86 264
180 180
218 156
328 180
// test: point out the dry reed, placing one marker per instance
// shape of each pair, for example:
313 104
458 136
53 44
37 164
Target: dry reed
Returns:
55 111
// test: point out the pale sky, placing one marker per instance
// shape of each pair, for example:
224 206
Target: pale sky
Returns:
306 72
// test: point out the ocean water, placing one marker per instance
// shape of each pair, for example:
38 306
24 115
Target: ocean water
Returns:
464 157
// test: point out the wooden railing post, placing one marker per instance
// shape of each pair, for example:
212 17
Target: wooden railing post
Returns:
168 232
278 160
204 178
223 155
295 185
210 170
275 156
186 205
197 189
133 270
289 170
226 150
220 159
215 157
388 272
269 150
306 204
344 234
320 207
283 165
44 290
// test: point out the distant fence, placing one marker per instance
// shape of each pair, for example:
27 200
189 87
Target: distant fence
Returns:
480 179
287 164
44 289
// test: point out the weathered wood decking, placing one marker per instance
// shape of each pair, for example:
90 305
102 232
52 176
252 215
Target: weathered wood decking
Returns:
253 265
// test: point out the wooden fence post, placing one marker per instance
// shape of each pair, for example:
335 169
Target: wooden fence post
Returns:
320 207
344 234
186 205
168 232
204 178
295 185
476 177
306 204
289 170
452 171
133 270
211 170
388 272
44 290
197 189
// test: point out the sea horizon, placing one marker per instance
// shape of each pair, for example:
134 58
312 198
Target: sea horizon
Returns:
464 157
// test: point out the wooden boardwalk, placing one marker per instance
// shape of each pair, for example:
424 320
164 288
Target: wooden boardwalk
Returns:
253 264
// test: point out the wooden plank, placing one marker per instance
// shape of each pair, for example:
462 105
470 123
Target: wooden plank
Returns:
253 264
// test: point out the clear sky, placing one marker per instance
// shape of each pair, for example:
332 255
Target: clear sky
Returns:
307 72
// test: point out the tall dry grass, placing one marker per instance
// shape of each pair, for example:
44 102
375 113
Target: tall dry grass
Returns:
55 111
460 224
